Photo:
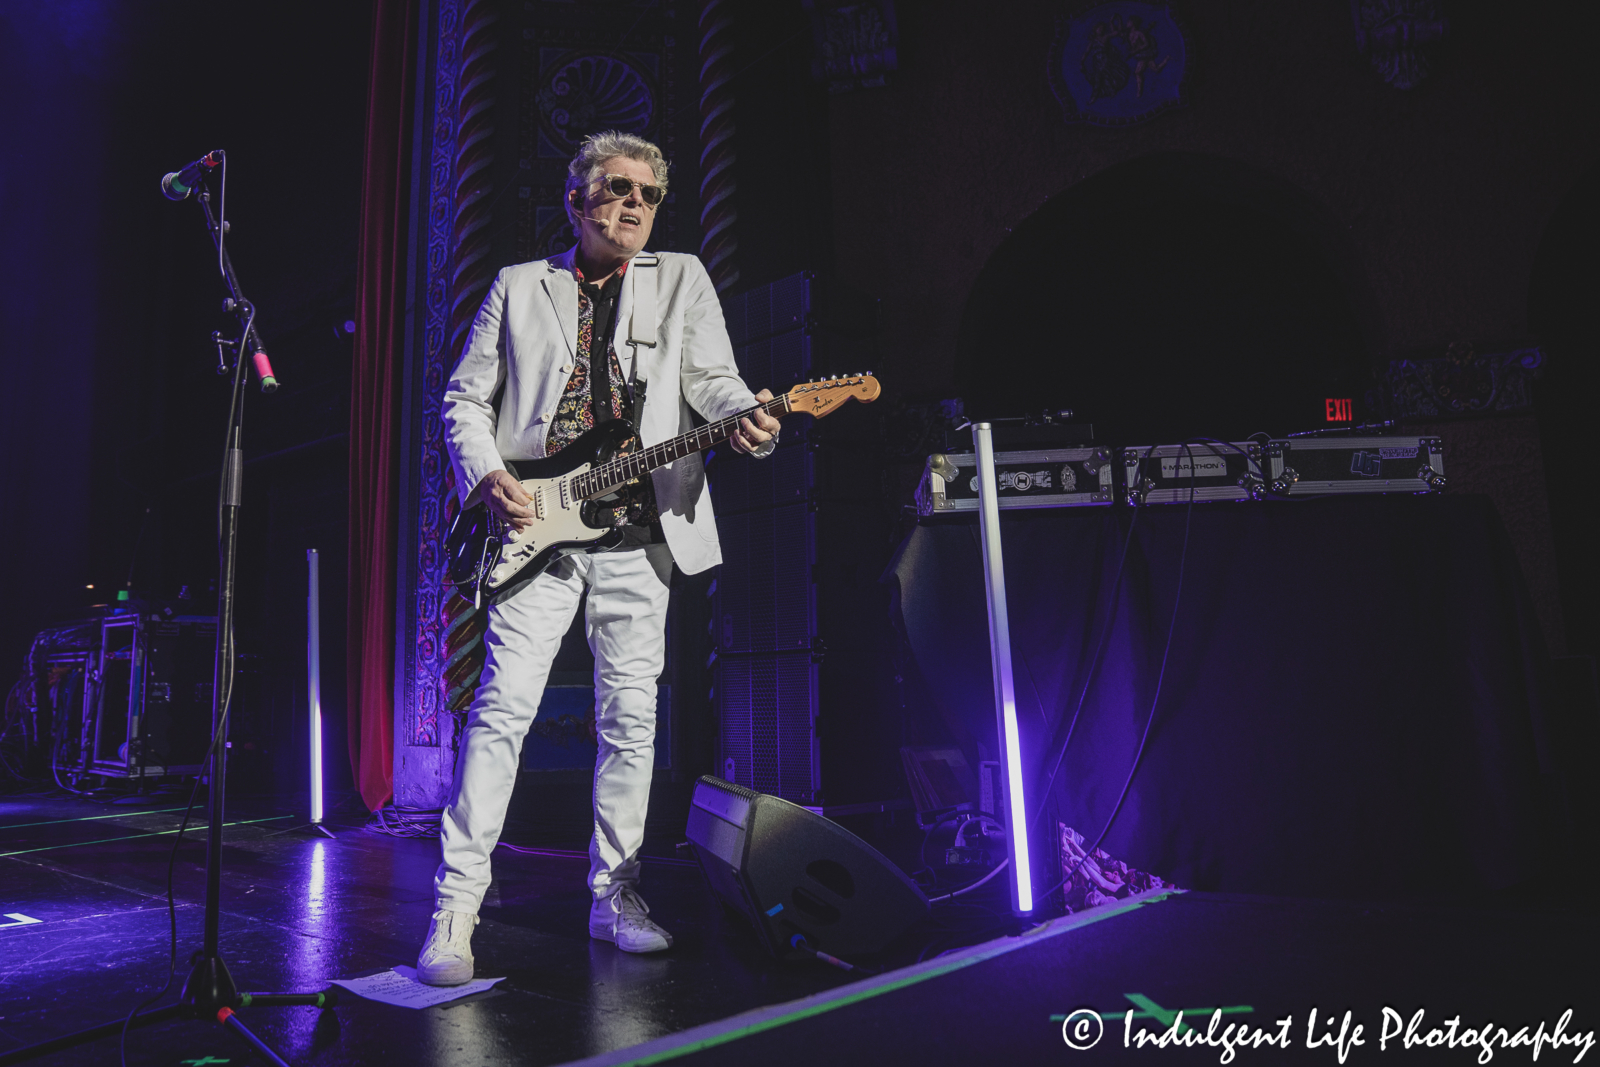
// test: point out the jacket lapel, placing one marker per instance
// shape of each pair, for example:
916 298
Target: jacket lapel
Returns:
561 286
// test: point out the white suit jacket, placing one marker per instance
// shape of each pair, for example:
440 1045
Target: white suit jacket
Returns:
525 340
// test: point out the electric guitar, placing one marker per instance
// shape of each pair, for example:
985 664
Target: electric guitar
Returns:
572 492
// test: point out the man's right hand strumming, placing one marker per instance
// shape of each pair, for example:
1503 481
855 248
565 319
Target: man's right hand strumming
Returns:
506 498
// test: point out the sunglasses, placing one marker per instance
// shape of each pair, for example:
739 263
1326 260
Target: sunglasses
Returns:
620 185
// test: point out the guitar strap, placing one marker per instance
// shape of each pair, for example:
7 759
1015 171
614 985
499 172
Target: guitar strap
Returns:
642 323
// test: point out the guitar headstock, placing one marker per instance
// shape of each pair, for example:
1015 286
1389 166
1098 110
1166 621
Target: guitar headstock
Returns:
819 397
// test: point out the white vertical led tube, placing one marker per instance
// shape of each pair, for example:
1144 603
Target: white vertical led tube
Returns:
1005 704
314 682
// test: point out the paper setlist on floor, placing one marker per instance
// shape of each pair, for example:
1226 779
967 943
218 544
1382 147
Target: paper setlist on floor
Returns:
399 986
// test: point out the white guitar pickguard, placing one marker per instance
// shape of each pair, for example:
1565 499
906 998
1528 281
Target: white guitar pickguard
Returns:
558 518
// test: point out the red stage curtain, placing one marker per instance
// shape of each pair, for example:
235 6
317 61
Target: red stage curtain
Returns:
375 399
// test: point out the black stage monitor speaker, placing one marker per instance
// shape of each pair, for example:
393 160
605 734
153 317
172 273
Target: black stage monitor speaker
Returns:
789 871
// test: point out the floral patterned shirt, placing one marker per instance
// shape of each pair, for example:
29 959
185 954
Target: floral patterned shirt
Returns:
575 410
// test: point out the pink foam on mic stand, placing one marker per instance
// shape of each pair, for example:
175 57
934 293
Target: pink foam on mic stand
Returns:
264 372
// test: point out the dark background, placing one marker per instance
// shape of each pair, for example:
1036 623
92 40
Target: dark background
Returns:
112 403
1219 269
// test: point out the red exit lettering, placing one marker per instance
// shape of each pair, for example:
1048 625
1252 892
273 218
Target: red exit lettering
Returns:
1339 410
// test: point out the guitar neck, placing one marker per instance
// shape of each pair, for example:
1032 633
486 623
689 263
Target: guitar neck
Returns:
609 477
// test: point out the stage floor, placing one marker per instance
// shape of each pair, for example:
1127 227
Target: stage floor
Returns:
299 911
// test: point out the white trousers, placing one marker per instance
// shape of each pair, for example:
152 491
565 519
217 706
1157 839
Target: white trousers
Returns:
626 625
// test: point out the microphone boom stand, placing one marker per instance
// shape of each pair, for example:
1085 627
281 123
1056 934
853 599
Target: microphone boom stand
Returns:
209 991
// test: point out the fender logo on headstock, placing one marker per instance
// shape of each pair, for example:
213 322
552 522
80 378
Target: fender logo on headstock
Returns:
820 397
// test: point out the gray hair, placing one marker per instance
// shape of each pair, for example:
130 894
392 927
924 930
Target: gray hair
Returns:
596 148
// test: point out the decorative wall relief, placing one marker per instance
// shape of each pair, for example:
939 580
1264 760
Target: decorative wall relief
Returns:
582 73
1395 35
581 92
1461 382
576 92
1118 63
856 44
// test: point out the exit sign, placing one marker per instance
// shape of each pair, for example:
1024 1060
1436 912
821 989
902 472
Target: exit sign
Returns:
1339 410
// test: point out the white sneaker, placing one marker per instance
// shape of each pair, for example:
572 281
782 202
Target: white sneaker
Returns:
447 956
623 918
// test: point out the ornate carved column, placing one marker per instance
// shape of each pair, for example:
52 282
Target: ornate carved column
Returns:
470 277
719 243
445 647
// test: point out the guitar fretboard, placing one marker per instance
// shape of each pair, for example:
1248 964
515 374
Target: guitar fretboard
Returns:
609 477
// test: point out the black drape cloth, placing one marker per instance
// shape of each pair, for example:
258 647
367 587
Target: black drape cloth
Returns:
1350 706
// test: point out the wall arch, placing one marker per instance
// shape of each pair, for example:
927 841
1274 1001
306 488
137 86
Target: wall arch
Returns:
1171 296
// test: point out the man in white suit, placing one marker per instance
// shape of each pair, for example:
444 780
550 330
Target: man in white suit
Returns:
565 343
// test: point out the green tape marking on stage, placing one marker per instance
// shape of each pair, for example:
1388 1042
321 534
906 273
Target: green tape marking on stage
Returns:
1151 1010
89 818
134 837
762 1019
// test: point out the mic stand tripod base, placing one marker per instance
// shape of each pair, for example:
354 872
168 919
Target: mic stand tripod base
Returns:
209 992
209 986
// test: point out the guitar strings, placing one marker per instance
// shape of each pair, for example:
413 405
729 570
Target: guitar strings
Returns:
609 476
